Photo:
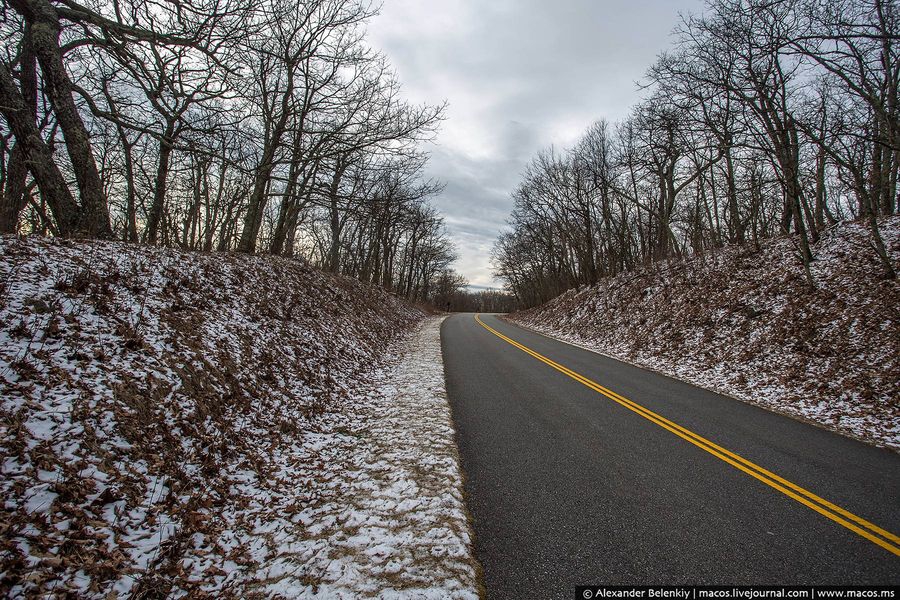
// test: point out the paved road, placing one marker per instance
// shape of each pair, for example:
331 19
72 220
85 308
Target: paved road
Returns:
569 487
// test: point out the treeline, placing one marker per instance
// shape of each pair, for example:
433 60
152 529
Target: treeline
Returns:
451 293
256 126
484 301
766 117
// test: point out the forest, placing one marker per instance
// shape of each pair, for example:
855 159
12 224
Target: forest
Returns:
762 119
218 125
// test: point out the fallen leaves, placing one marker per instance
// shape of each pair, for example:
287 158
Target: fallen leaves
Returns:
150 397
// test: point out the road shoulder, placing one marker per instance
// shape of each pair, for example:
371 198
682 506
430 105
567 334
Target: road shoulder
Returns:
887 436
391 522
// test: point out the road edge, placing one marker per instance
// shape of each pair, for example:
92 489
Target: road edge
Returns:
843 433
479 569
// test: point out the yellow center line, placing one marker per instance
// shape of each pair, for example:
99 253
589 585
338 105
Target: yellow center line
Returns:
837 514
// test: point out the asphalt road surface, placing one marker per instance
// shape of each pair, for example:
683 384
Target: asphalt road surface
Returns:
620 483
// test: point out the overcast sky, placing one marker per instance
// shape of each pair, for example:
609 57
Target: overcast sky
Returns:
519 75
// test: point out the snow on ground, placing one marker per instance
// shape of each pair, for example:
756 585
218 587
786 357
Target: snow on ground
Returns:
218 425
743 322
391 522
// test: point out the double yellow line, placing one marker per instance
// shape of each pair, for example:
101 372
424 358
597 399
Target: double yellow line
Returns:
854 523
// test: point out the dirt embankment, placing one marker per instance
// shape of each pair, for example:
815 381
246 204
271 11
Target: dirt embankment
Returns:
154 404
745 322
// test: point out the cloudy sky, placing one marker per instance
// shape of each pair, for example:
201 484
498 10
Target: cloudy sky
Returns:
519 75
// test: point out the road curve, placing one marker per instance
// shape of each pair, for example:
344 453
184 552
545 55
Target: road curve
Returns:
570 486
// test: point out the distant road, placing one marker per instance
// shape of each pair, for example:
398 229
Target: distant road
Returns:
584 470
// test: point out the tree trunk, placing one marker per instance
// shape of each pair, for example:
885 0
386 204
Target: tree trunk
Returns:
258 198
154 219
38 156
289 207
189 229
794 197
211 220
334 221
14 197
45 30
131 233
257 204
734 214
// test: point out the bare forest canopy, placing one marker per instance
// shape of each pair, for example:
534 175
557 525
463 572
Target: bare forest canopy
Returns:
764 118
257 126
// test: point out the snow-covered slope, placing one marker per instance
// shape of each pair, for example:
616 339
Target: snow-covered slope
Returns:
744 322
171 422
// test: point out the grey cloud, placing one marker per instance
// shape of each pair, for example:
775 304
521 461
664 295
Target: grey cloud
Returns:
519 75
